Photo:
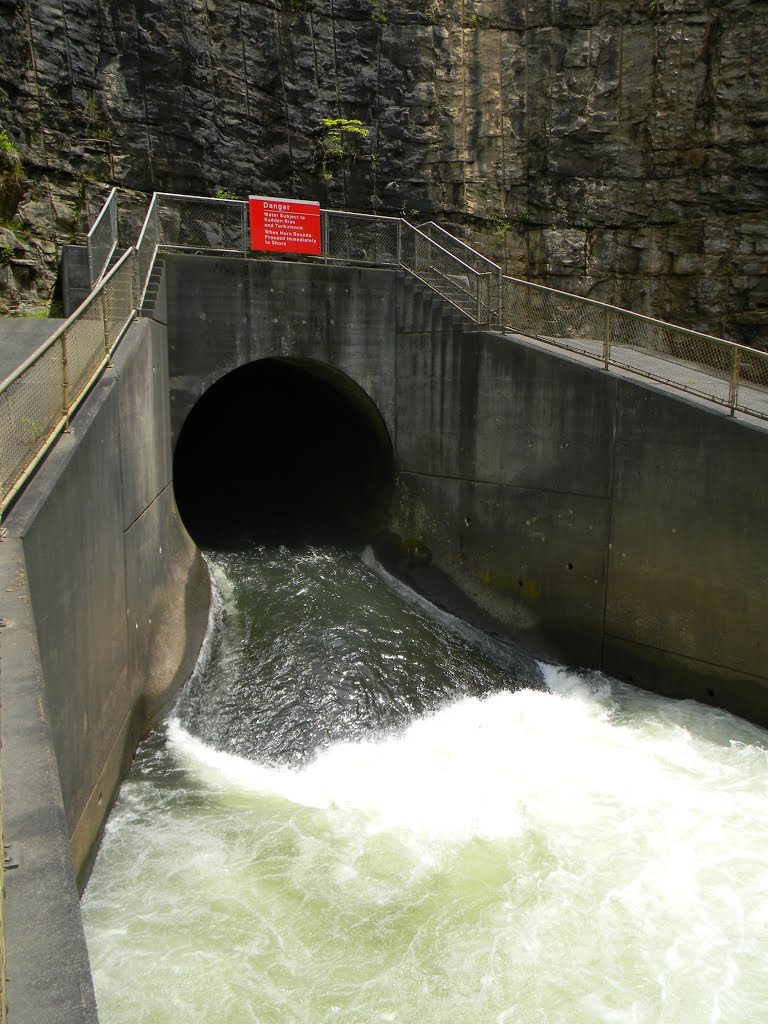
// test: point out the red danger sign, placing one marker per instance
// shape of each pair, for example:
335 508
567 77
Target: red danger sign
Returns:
285 225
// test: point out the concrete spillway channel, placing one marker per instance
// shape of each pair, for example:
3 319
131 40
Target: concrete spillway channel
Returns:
585 516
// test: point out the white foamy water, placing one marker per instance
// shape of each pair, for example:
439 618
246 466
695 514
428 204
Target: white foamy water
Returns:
526 857
588 853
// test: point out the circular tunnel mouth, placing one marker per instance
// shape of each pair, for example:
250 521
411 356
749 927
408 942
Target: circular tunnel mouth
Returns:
283 452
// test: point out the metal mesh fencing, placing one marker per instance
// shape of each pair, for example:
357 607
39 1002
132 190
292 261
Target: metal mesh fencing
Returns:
490 287
36 401
555 317
751 381
102 239
84 346
712 368
31 413
444 273
119 299
198 223
360 238
146 247
688 361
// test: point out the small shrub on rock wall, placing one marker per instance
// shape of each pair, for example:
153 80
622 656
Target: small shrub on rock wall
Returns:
340 137
14 184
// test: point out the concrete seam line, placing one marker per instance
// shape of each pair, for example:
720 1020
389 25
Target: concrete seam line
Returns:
118 734
506 486
144 511
687 657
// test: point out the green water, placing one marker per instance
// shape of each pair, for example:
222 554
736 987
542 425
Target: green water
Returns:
360 814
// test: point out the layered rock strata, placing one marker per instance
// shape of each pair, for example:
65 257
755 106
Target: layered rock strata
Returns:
614 148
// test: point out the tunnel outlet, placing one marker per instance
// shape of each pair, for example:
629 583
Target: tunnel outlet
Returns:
283 452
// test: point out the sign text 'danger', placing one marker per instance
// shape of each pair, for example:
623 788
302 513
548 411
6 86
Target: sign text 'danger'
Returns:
285 225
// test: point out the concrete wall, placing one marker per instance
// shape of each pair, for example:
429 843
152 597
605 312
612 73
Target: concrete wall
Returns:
601 521
105 603
224 313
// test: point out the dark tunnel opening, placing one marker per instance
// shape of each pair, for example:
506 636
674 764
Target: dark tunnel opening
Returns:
283 452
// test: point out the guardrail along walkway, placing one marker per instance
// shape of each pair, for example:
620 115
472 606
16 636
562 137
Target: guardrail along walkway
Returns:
37 400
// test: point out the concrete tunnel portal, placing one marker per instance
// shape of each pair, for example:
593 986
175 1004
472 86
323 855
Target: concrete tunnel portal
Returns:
283 451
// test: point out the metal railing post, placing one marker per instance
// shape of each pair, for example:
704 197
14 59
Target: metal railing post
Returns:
136 283
607 340
324 236
400 243
733 395
104 320
113 216
64 381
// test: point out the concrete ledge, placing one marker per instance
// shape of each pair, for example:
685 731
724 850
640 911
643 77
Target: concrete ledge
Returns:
49 979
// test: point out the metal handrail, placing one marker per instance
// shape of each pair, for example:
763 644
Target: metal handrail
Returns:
459 242
596 329
625 312
624 332
16 467
432 242
50 341
146 247
486 301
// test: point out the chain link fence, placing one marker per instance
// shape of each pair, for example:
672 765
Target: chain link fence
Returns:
102 239
196 223
445 273
490 289
720 371
361 238
37 400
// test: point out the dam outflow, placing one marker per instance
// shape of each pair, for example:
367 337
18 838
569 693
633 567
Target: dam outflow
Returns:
360 809
556 500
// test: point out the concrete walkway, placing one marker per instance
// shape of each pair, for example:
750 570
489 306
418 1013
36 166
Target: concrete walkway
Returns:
19 338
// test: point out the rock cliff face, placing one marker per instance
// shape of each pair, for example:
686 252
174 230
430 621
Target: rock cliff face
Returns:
615 148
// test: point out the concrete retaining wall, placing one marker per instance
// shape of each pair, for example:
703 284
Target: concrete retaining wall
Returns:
105 601
599 520
602 521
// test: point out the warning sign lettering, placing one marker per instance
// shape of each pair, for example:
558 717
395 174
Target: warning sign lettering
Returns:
285 225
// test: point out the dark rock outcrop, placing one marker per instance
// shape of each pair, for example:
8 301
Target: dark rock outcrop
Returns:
615 148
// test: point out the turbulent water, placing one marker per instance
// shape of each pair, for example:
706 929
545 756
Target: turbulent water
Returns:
364 811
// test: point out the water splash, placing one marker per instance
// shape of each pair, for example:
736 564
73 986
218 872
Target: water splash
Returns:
585 853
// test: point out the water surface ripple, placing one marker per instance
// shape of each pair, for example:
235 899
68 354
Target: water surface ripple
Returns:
362 811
